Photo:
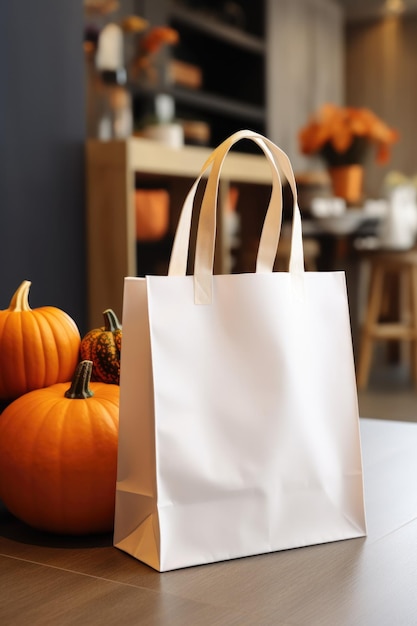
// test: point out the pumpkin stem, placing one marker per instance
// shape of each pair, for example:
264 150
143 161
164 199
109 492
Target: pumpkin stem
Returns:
80 385
20 300
111 323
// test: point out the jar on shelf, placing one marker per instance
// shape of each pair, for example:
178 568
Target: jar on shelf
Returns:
109 104
114 107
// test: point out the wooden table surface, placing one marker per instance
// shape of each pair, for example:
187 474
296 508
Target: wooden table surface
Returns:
46 580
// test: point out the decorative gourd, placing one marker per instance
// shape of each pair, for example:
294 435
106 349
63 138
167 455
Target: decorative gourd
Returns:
58 456
102 346
38 347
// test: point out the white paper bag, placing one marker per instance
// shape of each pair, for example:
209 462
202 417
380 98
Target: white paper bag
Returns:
239 430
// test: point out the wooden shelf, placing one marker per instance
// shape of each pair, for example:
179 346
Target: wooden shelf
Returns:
219 104
203 101
215 28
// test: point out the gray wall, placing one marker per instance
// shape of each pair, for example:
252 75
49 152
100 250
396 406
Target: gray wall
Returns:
305 67
381 74
42 132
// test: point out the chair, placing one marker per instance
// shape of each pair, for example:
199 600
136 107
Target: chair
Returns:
399 266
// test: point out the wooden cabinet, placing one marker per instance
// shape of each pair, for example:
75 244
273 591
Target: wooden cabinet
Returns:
112 168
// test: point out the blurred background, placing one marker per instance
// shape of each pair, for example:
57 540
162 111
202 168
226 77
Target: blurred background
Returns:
267 65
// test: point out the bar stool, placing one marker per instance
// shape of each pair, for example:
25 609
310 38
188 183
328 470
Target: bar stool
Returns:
401 267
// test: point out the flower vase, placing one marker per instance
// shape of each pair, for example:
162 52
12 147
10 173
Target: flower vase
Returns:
347 182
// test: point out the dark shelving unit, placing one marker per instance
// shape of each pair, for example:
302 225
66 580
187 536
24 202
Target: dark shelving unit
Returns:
205 102
212 26
229 51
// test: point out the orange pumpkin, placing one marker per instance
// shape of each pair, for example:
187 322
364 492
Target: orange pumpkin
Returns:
58 456
38 347
102 346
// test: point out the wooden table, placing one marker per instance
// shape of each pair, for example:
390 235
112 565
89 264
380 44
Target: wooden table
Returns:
47 580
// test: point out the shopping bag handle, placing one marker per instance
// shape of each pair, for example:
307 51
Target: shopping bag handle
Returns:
203 269
204 256
265 258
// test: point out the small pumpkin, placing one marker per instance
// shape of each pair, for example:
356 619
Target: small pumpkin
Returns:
58 456
102 346
39 347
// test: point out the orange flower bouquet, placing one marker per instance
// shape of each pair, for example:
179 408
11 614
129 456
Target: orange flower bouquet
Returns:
148 46
342 135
